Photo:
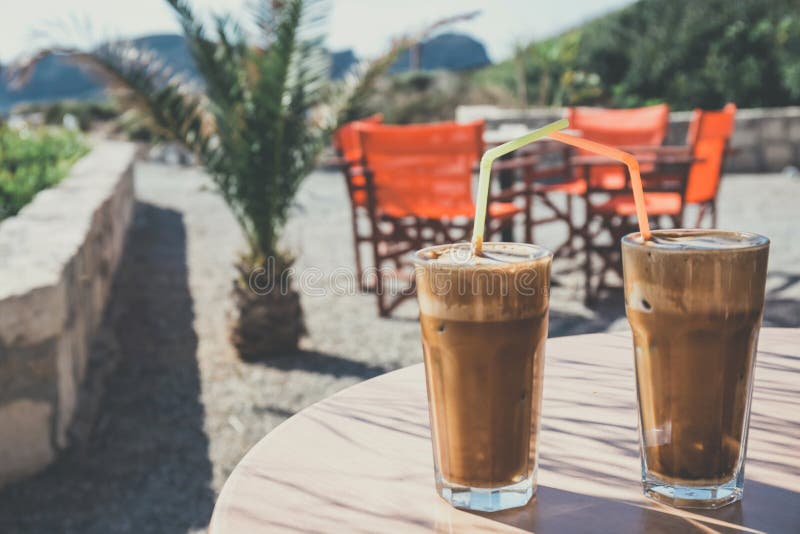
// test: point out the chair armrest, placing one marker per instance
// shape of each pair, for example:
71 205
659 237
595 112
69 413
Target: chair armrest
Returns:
579 161
661 150
519 162
662 158
509 194
542 173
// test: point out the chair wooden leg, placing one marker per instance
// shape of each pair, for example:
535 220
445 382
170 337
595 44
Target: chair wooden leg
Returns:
529 215
587 264
713 205
418 233
359 270
375 239
382 308
587 271
571 248
357 249
701 212
560 215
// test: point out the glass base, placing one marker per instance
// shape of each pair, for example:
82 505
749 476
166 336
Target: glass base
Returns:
486 499
706 497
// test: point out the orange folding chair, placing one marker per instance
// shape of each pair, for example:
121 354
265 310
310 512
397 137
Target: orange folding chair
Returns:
419 192
347 143
709 134
668 194
708 140
640 127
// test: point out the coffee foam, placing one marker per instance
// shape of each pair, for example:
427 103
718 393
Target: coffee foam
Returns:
508 281
493 254
698 240
697 271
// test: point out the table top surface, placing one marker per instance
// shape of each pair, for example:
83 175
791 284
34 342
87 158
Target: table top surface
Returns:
361 460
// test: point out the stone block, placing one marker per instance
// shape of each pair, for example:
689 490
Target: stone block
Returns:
68 375
773 129
57 262
777 156
25 446
676 134
745 135
33 316
28 371
794 130
745 161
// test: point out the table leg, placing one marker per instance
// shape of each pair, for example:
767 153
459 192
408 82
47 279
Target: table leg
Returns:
507 177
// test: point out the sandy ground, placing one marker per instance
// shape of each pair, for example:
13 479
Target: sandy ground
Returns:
181 409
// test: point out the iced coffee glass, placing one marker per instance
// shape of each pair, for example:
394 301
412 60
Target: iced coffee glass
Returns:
484 325
694 300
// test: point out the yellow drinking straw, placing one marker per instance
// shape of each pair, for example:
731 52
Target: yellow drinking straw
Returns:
622 157
486 170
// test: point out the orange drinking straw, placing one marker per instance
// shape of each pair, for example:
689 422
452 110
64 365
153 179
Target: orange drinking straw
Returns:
623 157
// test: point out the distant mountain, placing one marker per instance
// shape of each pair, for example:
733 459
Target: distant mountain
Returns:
449 51
341 63
56 78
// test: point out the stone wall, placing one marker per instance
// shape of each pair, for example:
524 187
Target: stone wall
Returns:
766 140
57 260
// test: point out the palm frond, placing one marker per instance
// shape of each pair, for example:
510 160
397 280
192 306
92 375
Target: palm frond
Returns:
220 66
306 80
139 78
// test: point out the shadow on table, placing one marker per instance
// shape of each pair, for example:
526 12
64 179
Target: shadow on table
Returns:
143 465
765 508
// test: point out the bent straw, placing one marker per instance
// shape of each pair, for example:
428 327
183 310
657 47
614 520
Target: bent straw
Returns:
623 157
485 174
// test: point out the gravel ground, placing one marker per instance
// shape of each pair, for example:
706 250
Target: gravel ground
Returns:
181 409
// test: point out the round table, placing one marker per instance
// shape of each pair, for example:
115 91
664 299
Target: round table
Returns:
360 461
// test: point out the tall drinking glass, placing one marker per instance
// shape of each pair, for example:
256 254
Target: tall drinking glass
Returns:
694 300
484 325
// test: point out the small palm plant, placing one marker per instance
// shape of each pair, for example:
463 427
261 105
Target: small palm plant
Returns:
257 124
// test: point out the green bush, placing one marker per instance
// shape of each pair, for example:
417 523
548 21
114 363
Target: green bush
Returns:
32 160
687 53
693 53
86 113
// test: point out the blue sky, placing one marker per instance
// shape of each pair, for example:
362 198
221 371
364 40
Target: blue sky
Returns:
364 25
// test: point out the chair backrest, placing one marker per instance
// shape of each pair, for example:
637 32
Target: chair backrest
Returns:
620 127
422 170
346 139
708 135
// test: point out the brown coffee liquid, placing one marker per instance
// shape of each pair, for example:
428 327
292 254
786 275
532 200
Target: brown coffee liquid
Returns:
482 377
694 300
484 325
